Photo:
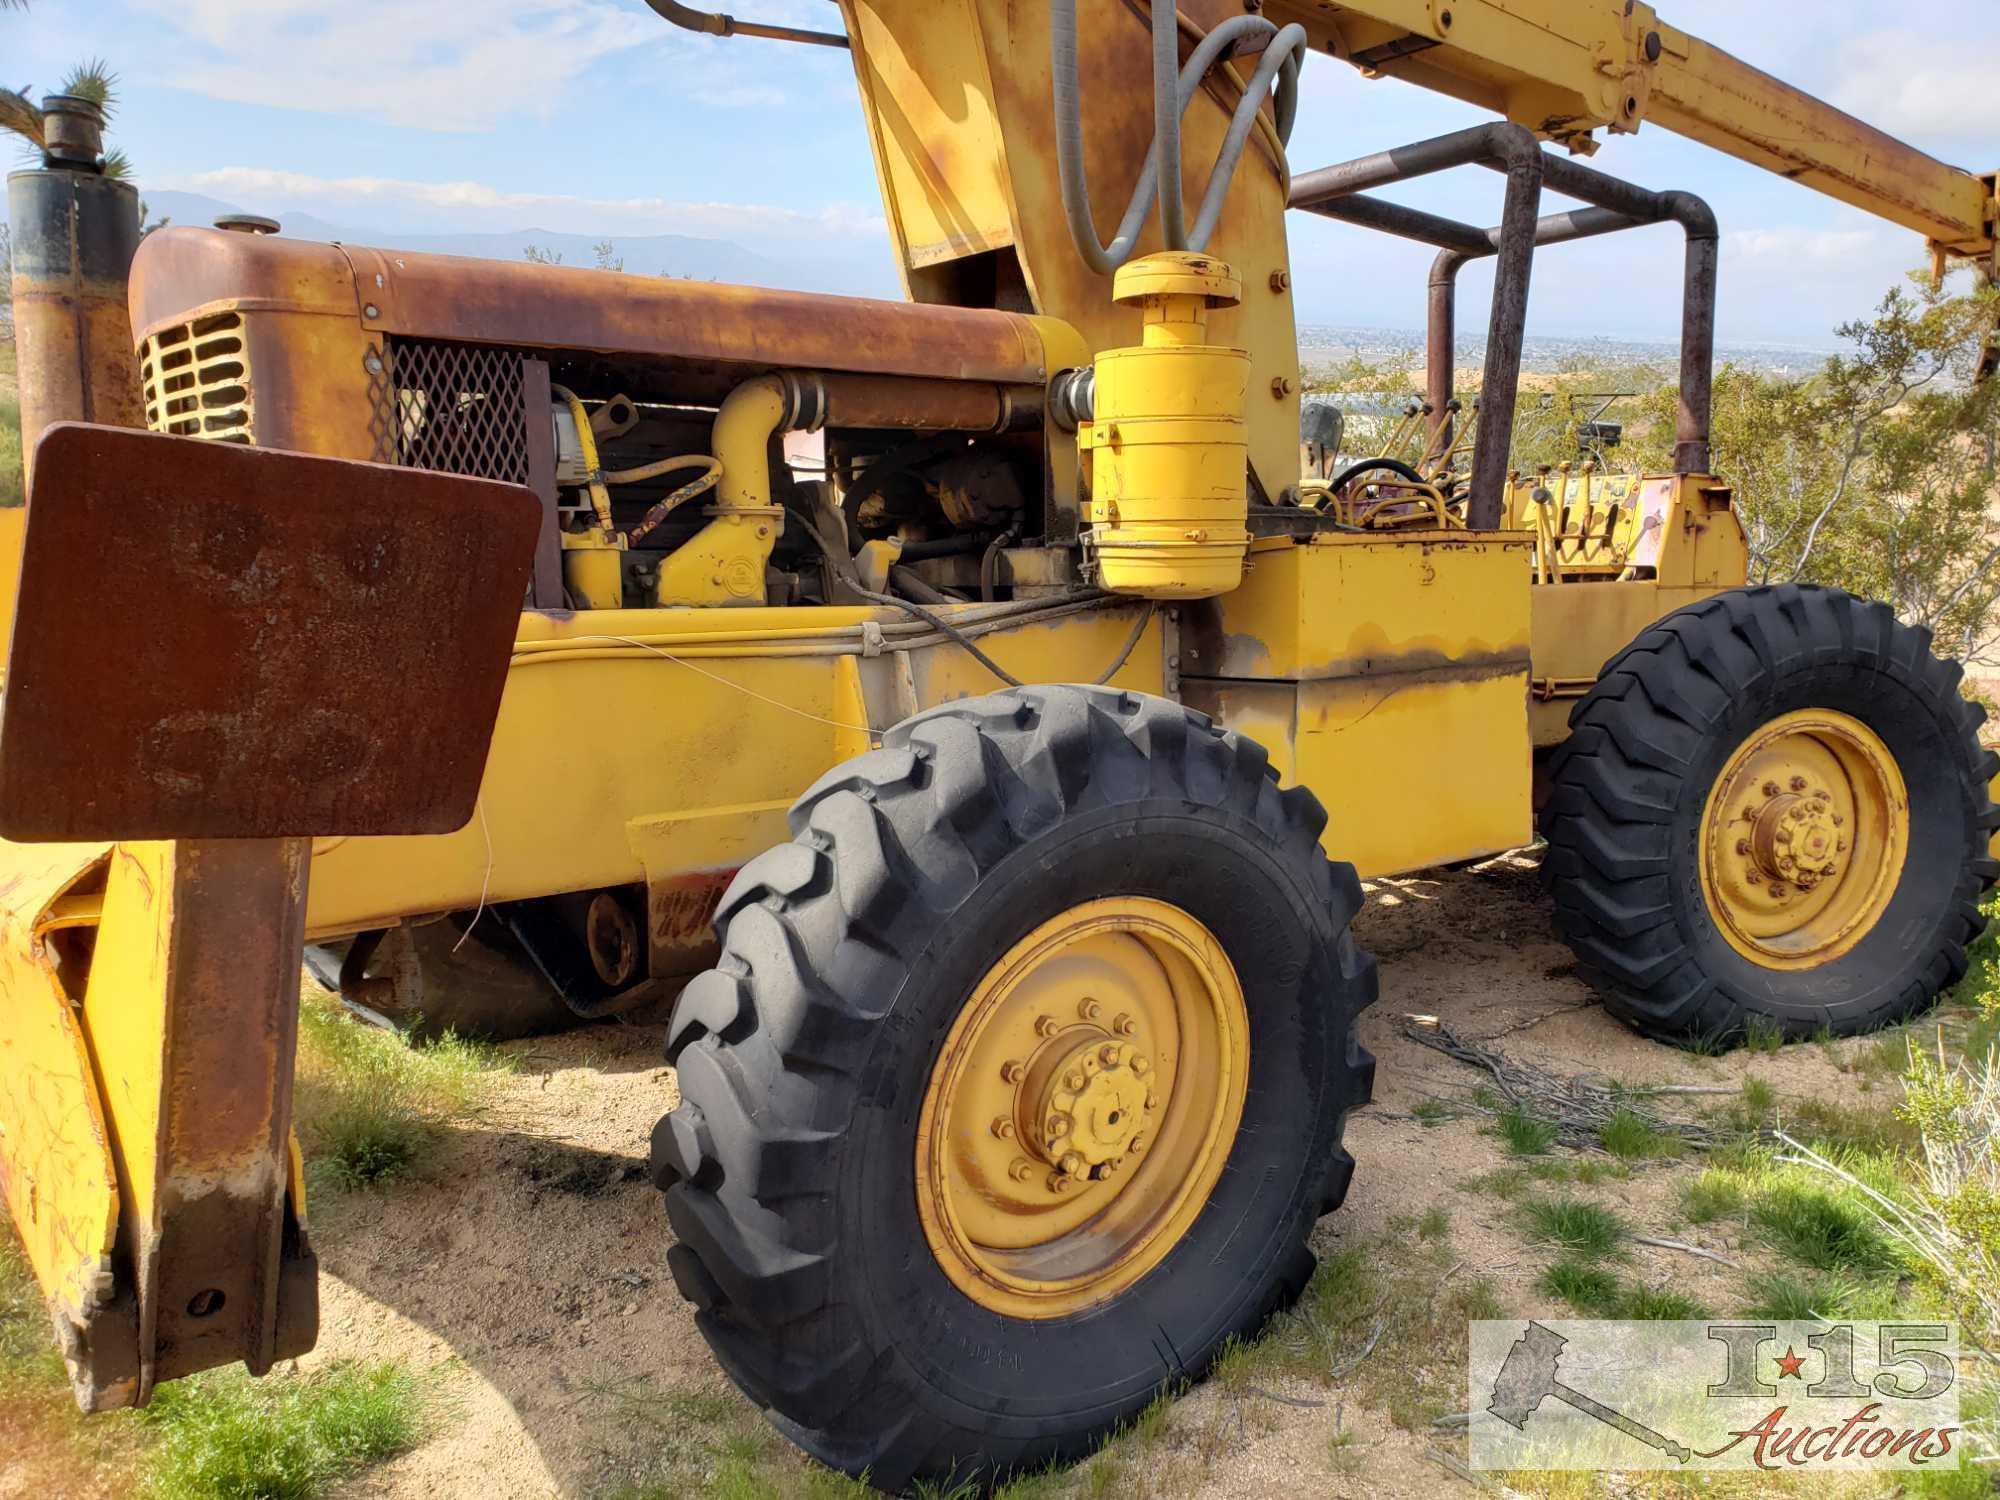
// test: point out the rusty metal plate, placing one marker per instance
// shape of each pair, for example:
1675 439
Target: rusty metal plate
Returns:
219 641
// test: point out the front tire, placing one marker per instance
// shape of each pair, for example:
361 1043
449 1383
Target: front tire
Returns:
1072 881
1773 808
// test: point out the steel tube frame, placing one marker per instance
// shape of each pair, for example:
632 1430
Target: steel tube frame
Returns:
1338 192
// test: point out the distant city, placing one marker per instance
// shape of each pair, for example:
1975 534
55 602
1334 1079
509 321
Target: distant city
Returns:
1323 344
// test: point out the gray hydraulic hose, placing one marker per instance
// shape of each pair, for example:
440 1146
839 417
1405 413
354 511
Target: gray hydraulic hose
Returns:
1104 259
1284 53
1167 119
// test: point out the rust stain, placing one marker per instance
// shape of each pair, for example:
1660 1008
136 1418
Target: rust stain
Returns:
286 629
183 273
680 921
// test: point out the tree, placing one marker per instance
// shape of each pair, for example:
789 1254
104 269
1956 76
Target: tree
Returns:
604 256
1878 473
92 80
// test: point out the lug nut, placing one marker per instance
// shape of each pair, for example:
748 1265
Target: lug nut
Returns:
1012 1072
1058 1183
1798 783
1088 1008
1073 1081
1108 1054
1141 1065
1743 846
1072 1164
1124 1025
1138 1142
1058 1125
1004 1128
1020 1169
1822 794
1152 1100
1839 819
1770 789
1047 1026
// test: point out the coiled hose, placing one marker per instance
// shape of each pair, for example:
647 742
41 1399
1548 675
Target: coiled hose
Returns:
1171 96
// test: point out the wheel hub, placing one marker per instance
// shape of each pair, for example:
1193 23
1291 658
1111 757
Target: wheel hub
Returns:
1803 843
1082 1107
1796 841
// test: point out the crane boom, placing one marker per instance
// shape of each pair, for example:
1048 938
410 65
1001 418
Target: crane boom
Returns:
1565 68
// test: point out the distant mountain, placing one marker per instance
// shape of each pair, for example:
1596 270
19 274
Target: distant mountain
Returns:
643 255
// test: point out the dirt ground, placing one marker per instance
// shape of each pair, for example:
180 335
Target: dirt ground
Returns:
527 1267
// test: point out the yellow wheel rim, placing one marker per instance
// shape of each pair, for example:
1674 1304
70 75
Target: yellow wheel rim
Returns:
1803 840
1082 1108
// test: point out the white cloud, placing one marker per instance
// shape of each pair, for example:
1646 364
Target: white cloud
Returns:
479 205
1817 247
425 64
1916 84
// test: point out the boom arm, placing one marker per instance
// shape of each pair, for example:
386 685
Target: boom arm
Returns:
1564 68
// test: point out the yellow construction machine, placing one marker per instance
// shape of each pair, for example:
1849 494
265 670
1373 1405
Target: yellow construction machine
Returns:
963 709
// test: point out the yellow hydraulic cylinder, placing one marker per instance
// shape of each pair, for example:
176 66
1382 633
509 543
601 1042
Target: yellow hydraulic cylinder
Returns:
1167 437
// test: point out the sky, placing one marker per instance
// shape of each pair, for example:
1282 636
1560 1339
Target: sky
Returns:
596 117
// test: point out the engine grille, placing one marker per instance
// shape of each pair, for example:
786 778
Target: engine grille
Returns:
195 379
460 408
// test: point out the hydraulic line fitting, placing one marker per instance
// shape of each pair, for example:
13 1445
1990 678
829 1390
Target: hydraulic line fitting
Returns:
1168 448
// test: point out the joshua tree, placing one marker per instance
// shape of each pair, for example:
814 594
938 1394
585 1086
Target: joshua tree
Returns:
91 80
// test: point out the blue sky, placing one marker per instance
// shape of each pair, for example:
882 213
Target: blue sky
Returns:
593 116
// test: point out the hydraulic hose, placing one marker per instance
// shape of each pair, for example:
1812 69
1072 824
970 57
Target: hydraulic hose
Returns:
1166 118
658 513
1280 62
600 497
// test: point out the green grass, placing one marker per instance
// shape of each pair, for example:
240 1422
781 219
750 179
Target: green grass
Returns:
1705 1043
1590 1289
27 1353
1817 1229
1828 1127
1630 1136
1762 1034
1523 1133
11 489
1431 1113
1658 1304
1779 1294
1714 1195
1387 1320
370 1101
1596 1292
1585 1230
228 1437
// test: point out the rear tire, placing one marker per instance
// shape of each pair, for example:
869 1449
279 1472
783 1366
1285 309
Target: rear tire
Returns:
1641 867
849 954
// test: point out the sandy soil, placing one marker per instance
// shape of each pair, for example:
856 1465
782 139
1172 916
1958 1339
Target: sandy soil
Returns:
527 1267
